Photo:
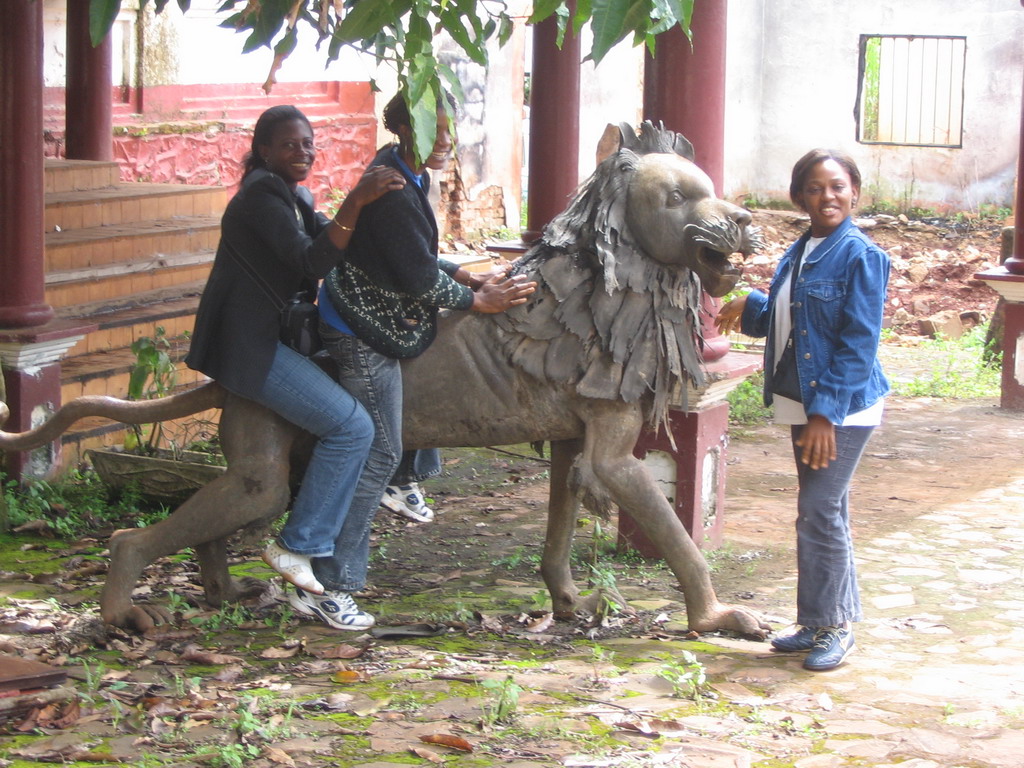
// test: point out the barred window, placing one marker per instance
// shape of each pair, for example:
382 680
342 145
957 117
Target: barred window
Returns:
911 90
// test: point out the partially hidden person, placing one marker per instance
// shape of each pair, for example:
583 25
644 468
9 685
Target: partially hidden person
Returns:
274 244
822 320
403 494
377 307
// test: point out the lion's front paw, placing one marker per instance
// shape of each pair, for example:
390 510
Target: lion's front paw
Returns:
733 618
141 618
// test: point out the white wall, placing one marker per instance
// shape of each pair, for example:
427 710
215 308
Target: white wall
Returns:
792 74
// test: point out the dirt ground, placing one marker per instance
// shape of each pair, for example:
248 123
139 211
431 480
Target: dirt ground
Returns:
268 689
934 262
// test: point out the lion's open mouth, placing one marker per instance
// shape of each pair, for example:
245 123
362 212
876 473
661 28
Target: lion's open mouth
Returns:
721 271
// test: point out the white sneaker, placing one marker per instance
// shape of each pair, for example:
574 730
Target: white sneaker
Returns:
407 500
293 568
335 609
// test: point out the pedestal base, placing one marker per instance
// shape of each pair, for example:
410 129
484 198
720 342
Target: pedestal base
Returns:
692 477
693 474
1011 288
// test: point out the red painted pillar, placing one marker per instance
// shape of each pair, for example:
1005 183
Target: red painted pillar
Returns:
692 476
22 297
553 166
684 87
89 122
1015 264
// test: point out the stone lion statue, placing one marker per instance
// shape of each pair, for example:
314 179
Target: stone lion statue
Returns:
587 363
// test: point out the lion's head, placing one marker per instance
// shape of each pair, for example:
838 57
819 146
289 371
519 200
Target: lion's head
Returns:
620 273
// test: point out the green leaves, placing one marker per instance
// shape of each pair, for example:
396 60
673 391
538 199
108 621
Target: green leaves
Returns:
402 33
102 14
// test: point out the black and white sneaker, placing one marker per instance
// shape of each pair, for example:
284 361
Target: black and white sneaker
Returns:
335 609
407 501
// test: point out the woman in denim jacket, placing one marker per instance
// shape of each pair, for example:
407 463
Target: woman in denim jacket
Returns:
825 300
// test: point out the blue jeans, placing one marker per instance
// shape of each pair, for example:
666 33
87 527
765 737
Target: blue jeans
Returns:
416 466
299 391
376 382
827 593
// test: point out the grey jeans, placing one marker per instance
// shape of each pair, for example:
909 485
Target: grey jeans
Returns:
827 593
376 382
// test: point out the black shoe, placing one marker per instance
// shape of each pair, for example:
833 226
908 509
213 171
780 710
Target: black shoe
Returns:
801 640
831 647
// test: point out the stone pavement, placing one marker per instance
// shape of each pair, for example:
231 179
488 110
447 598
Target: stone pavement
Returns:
937 679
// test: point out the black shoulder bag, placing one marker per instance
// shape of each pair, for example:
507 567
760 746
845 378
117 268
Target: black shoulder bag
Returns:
786 379
300 320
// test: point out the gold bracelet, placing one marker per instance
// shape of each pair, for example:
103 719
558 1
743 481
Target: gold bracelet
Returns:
342 226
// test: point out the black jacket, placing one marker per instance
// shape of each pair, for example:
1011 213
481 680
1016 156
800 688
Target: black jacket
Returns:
238 325
391 283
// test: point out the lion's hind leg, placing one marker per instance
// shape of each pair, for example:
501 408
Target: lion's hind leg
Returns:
255 486
563 505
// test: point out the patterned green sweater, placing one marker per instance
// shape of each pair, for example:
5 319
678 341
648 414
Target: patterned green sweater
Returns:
391 283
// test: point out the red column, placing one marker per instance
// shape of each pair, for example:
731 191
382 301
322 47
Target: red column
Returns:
22 298
89 119
1015 264
553 166
684 87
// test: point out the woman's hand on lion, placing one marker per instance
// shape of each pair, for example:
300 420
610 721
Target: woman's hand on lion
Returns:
730 315
499 293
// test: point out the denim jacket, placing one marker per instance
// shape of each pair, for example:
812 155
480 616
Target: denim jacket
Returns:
837 300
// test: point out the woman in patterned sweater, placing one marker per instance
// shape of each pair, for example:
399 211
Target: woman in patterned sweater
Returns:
378 306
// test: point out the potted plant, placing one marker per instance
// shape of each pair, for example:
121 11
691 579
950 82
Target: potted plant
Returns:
166 465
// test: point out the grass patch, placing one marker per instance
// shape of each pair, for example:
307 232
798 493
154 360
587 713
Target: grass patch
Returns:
77 503
959 369
746 403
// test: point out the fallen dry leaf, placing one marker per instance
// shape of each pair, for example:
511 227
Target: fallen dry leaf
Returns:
279 653
447 740
540 623
343 651
197 655
348 676
33 526
426 754
275 755
229 674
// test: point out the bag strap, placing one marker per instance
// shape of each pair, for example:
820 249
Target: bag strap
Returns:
230 250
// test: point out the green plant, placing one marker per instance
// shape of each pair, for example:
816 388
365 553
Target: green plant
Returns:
517 557
228 617
153 375
602 579
686 674
183 686
504 700
961 369
76 503
746 403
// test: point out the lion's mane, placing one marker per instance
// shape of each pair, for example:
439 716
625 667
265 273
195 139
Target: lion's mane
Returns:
605 317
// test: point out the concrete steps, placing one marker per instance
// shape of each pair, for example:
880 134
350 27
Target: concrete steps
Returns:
126 258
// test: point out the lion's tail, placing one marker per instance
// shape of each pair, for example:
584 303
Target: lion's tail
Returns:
202 398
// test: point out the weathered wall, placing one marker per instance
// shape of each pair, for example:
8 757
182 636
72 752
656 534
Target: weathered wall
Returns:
792 72
213 156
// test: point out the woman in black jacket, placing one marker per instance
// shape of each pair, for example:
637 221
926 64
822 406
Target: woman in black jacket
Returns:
272 240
